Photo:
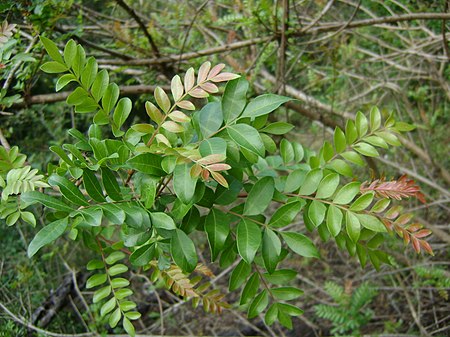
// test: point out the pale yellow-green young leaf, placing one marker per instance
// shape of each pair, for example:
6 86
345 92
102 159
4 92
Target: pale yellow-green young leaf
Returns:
162 99
198 93
187 105
153 112
196 170
173 127
176 87
216 70
223 77
211 159
209 87
189 79
178 116
161 139
219 178
219 167
203 72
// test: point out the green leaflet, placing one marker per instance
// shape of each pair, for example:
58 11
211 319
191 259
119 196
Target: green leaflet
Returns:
213 146
278 128
113 213
239 275
89 72
371 222
96 280
250 289
362 124
286 214
121 112
183 251
143 255
93 186
148 163
340 142
264 104
162 221
375 119
300 244
46 200
340 167
210 119
217 227
92 216
101 294
247 137
294 180
334 220
366 149
258 304
183 183
110 184
110 97
68 190
346 194
47 235
286 293
51 49
362 202
248 238
100 84
287 151
316 212
271 250
353 226
328 186
271 314
311 183
281 276
60 152
260 196
234 98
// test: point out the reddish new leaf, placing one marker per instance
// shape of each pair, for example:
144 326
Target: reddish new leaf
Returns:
216 70
394 189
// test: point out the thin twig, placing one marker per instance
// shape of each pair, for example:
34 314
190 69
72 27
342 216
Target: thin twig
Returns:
187 56
61 96
133 14
197 12
23 321
4 141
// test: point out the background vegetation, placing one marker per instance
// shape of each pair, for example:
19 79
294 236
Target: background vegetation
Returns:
335 57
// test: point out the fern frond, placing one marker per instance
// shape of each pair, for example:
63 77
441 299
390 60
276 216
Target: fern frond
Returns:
335 291
363 295
334 314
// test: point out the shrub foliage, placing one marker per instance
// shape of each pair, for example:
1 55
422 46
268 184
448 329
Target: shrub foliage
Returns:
144 195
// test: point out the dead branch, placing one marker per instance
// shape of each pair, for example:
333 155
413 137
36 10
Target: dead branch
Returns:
133 14
378 21
188 56
61 96
4 141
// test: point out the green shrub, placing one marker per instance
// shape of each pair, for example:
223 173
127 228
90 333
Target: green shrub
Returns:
134 193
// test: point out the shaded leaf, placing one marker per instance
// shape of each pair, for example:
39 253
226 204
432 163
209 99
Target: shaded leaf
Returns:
47 235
